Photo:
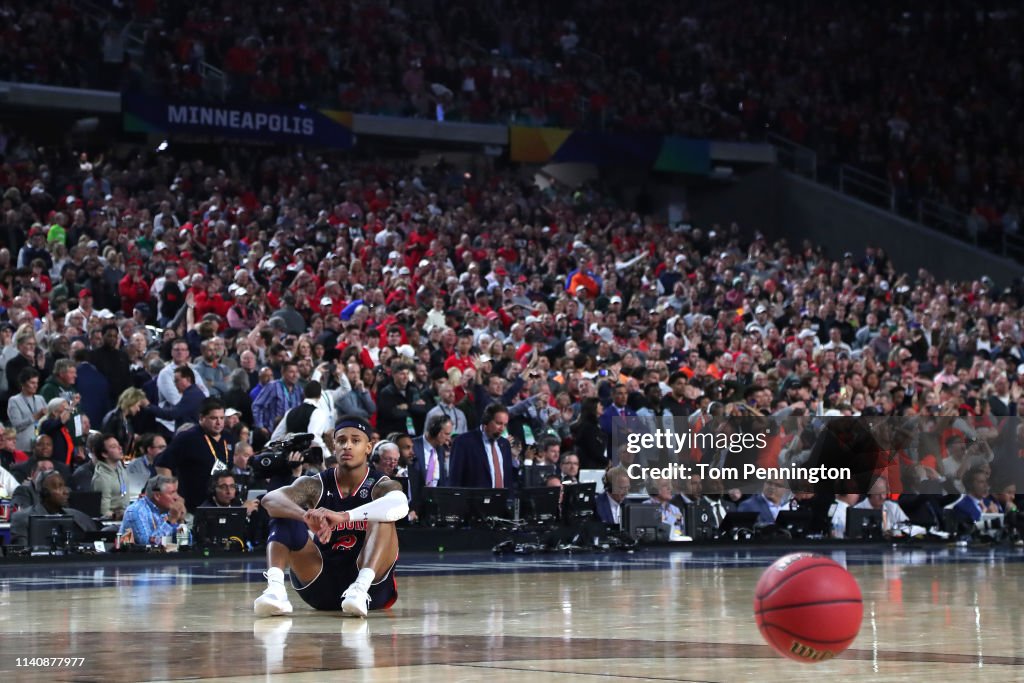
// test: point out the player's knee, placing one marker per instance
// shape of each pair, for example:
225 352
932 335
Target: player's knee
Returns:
291 533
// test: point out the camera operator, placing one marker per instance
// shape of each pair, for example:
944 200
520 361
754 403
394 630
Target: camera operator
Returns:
308 418
282 462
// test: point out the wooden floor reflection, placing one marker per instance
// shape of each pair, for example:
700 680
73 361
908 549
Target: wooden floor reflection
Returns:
688 622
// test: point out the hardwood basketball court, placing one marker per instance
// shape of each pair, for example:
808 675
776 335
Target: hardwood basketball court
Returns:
649 616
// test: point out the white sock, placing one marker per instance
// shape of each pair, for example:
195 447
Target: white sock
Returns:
365 579
275 575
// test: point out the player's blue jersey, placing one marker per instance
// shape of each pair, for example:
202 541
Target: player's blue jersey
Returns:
346 539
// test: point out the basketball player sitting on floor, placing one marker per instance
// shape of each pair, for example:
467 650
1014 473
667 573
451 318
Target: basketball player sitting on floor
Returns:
336 532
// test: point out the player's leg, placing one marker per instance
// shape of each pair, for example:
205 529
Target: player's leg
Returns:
288 546
380 550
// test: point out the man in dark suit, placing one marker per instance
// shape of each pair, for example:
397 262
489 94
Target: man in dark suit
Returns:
616 488
973 503
482 458
112 362
399 402
53 500
767 503
186 411
430 464
618 408
26 495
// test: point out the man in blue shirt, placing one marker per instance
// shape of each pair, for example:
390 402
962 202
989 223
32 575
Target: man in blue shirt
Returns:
155 515
768 503
277 398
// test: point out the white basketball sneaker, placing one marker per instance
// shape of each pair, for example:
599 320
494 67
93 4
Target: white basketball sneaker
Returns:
274 601
355 601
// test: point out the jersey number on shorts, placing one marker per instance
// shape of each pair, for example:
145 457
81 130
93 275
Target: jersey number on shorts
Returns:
346 542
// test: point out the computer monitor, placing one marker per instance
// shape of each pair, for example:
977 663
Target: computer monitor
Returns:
51 532
446 506
700 520
739 520
220 527
254 494
485 504
86 501
578 502
798 523
595 477
643 522
534 476
863 524
922 509
990 522
539 505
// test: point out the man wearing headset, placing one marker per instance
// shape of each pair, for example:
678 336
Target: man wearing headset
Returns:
53 500
616 488
336 533
223 493
429 466
384 457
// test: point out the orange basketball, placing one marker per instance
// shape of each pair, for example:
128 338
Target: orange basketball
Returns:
808 607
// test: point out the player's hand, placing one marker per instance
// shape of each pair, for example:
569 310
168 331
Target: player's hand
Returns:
250 506
316 521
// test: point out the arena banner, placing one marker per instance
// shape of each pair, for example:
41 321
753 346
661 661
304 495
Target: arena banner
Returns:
559 145
290 125
684 155
535 145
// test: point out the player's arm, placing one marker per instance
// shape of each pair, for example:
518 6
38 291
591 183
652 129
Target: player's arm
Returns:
291 502
385 486
388 504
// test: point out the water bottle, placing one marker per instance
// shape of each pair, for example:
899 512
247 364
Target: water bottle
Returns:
183 535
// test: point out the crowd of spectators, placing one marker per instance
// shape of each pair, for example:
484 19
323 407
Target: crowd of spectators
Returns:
148 297
932 105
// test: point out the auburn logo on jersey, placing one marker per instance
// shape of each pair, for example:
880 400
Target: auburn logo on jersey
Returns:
346 542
